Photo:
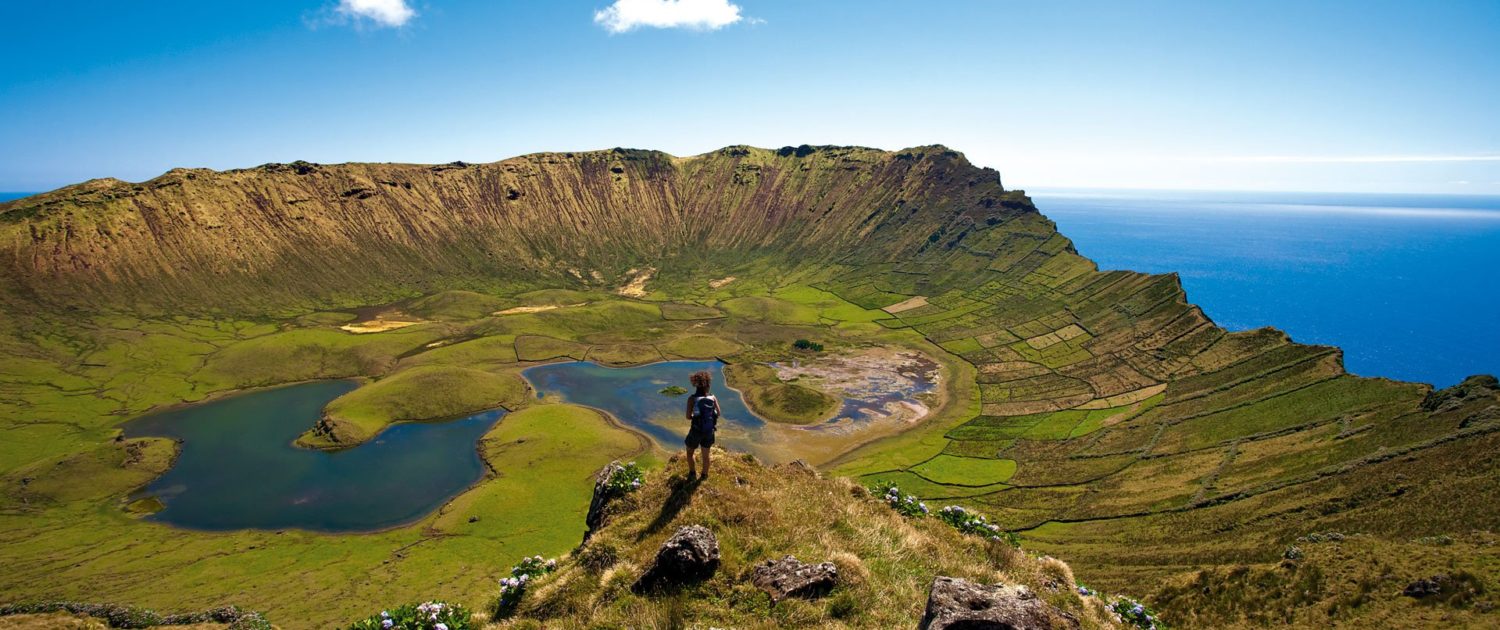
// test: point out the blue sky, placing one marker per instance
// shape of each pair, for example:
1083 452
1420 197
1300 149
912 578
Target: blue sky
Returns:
1331 96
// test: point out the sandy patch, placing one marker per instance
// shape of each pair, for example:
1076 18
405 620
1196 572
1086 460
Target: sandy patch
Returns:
715 284
517 310
377 326
906 305
636 288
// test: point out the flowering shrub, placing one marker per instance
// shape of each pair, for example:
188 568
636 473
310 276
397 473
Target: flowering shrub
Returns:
626 479
906 504
424 616
1086 591
973 523
521 575
1136 614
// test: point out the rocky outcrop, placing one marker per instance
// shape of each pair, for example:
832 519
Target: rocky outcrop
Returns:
955 604
690 555
789 577
595 517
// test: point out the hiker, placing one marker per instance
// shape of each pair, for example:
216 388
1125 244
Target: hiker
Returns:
703 412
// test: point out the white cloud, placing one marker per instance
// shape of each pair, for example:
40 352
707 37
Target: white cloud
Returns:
391 13
707 15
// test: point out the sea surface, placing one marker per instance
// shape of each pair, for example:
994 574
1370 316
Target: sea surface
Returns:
1405 284
238 468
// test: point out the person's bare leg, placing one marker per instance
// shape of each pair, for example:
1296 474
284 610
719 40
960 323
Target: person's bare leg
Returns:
705 463
691 470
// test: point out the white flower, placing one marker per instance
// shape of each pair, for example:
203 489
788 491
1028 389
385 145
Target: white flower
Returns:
386 623
441 626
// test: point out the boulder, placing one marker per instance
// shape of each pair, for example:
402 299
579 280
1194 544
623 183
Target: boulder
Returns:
595 517
1425 587
960 604
690 555
789 577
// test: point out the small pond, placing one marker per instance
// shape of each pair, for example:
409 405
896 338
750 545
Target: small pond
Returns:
633 395
877 390
238 468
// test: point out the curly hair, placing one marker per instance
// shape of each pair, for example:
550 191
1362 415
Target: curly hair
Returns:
701 379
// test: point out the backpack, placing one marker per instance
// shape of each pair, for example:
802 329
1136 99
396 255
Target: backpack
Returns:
705 413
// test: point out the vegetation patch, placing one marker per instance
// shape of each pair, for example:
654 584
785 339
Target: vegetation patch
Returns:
539 348
774 400
415 394
966 471
701 347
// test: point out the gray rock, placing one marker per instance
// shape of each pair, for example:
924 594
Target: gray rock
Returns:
789 577
690 555
956 604
595 517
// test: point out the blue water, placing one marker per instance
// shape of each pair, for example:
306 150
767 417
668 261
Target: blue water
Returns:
238 468
1405 284
7 196
633 396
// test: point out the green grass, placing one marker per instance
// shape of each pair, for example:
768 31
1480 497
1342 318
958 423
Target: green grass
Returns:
700 347
494 349
415 394
456 305
538 348
689 312
966 471
770 310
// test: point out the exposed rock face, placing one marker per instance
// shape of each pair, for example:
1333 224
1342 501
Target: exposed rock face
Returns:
959 604
600 500
690 555
789 577
260 237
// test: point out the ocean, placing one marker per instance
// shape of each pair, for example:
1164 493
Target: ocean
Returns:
1405 284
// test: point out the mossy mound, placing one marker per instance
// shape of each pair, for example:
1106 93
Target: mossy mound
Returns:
794 404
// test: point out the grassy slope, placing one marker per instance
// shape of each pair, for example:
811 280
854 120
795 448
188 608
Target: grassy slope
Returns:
886 561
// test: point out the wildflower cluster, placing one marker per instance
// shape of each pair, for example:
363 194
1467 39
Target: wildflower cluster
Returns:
974 523
424 616
1136 614
1085 591
521 575
624 480
906 504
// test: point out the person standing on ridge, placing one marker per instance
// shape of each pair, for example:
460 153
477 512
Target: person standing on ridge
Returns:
703 412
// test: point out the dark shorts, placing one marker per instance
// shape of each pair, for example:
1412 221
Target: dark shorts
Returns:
699 439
